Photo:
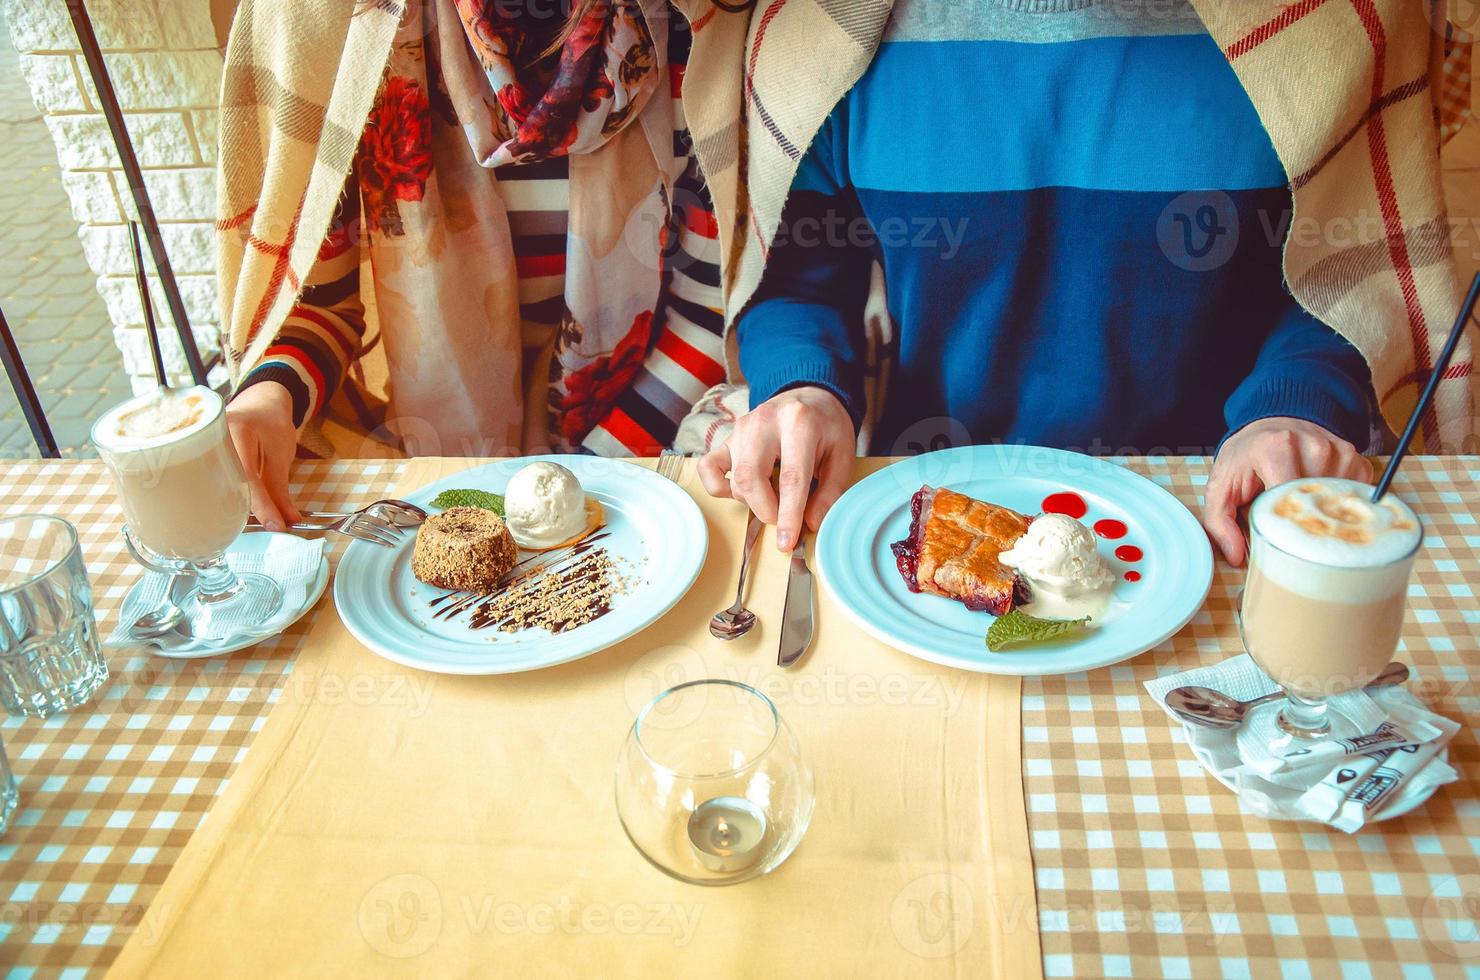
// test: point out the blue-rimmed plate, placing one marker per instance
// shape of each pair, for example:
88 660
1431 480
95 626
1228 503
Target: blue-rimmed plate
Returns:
1155 595
657 537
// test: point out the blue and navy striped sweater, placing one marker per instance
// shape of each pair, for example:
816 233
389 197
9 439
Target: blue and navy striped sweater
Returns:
1080 218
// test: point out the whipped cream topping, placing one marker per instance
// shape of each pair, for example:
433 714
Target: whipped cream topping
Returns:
157 418
1329 541
1334 522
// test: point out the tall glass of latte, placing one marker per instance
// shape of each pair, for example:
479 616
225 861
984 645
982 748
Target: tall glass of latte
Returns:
185 498
1328 580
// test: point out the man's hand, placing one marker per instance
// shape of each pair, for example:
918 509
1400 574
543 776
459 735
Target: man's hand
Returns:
812 435
1264 454
261 423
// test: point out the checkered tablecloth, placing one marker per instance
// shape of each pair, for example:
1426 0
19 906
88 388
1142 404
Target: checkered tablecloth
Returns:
1145 865
111 793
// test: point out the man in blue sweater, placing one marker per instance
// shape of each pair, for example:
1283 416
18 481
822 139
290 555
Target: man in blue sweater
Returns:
1080 220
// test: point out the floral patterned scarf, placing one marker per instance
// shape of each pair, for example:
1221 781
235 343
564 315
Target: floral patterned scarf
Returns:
471 371
571 107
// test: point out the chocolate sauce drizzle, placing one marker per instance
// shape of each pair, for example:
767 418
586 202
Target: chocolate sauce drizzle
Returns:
577 577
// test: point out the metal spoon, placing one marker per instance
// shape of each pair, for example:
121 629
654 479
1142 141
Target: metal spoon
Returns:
164 617
1214 709
736 621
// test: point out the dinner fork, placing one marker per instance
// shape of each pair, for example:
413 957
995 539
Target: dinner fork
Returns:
362 525
670 464
366 526
397 513
400 513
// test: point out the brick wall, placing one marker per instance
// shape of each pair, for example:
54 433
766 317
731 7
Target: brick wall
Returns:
164 59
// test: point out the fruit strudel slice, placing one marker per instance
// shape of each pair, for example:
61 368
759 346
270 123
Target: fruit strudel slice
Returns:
954 547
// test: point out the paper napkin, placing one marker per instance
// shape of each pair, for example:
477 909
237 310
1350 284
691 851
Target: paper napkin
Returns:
292 562
1385 752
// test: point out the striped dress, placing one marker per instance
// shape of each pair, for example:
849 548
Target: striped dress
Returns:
325 335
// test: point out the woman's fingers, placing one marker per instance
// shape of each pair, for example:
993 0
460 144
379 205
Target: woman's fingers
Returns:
276 460
260 420
263 504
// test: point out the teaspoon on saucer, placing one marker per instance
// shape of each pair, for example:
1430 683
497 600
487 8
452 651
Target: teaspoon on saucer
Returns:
163 619
1214 709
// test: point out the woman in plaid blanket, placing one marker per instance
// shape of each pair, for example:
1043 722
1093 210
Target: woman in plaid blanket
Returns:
1082 220
540 247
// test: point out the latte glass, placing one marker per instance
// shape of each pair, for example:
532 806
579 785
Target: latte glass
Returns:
1324 627
185 498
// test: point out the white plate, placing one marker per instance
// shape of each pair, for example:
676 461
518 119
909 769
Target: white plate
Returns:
657 535
195 650
859 571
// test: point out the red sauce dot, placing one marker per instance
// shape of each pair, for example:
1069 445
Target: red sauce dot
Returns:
1068 504
1133 576
1128 552
1110 529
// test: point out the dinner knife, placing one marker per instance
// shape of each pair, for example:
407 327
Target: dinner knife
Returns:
797 622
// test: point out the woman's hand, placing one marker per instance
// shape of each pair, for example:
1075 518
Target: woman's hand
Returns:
1264 454
261 423
811 433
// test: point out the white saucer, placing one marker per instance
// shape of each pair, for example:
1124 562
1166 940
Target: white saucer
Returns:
198 650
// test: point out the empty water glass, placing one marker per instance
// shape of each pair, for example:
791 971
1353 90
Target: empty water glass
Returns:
50 659
9 795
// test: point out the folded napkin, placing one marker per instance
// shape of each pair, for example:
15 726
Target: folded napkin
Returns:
292 562
1383 753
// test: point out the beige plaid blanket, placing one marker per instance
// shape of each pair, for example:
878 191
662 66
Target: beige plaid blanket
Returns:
1350 91
298 86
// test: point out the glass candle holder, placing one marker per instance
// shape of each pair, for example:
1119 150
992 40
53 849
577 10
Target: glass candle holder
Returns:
711 785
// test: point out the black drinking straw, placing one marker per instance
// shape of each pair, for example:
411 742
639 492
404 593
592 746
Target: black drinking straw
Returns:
154 351
1466 311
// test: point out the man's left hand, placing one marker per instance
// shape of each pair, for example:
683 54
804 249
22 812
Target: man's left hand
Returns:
1264 454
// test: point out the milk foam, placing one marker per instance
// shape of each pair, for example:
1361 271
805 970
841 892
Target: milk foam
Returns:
1330 542
156 418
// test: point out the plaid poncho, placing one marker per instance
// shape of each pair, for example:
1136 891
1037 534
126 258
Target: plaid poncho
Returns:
1349 91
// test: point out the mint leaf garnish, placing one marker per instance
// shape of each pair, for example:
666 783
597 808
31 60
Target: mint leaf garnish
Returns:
470 498
1019 627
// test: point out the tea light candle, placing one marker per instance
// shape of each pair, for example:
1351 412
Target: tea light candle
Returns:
728 833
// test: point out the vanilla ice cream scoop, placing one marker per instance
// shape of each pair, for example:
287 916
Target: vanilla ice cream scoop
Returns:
1066 575
544 506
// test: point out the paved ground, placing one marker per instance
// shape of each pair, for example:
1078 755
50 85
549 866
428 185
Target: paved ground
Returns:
46 289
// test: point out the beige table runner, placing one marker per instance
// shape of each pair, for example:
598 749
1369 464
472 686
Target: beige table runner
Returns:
471 827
